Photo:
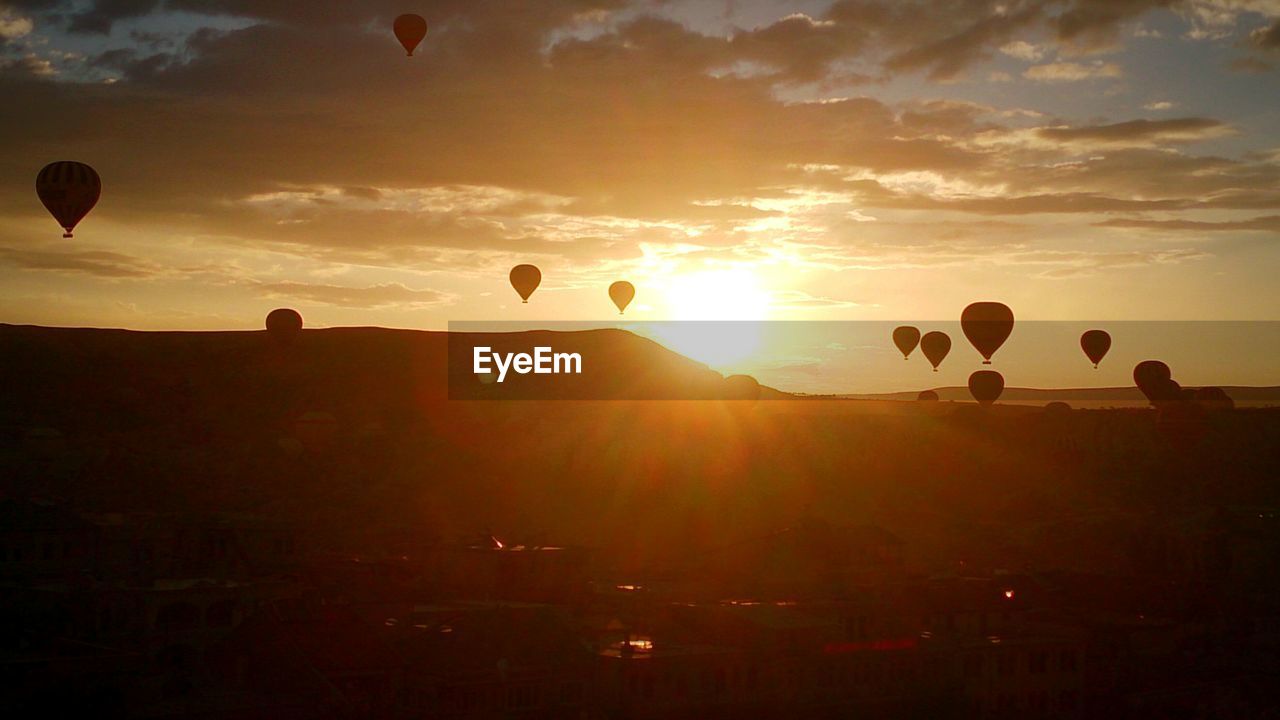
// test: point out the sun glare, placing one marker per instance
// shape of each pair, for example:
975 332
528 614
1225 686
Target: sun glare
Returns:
728 294
724 303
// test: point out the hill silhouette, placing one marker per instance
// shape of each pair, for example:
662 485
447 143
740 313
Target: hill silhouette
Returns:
349 434
1116 397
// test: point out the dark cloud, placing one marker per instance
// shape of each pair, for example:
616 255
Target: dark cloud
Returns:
974 38
1267 38
1093 23
132 64
103 14
628 131
535 17
26 67
1269 223
98 263
1172 130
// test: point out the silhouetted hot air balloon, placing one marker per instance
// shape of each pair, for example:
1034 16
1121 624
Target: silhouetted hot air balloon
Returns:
906 338
1095 344
935 346
621 293
1057 408
284 324
741 387
1153 377
927 396
525 279
985 386
69 190
1149 372
410 29
1214 398
987 325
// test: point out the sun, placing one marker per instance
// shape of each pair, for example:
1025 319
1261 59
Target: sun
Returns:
724 294
717 314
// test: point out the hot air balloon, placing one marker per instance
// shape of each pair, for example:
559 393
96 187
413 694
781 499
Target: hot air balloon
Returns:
1214 398
986 386
906 338
1095 344
410 29
935 346
927 396
69 190
741 387
525 279
1154 379
284 324
621 293
1057 408
987 325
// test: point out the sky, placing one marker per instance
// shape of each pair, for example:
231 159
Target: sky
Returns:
852 160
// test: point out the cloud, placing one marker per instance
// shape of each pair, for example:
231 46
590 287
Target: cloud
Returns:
13 25
963 34
1249 66
372 297
30 65
1023 50
1096 23
1074 263
98 263
800 300
1137 133
1267 38
1159 105
510 138
1268 223
1059 72
103 14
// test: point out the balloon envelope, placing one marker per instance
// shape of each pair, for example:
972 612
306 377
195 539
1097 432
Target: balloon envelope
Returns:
741 387
935 346
69 190
410 29
987 325
1214 398
1153 377
927 396
1095 344
284 323
621 294
525 279
906 338
986 386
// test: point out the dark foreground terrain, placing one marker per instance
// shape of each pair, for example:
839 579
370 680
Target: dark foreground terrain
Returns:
221 525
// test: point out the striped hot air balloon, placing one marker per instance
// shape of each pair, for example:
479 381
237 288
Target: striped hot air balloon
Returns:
69 190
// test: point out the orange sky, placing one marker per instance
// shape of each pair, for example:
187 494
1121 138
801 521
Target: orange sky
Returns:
1076 159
